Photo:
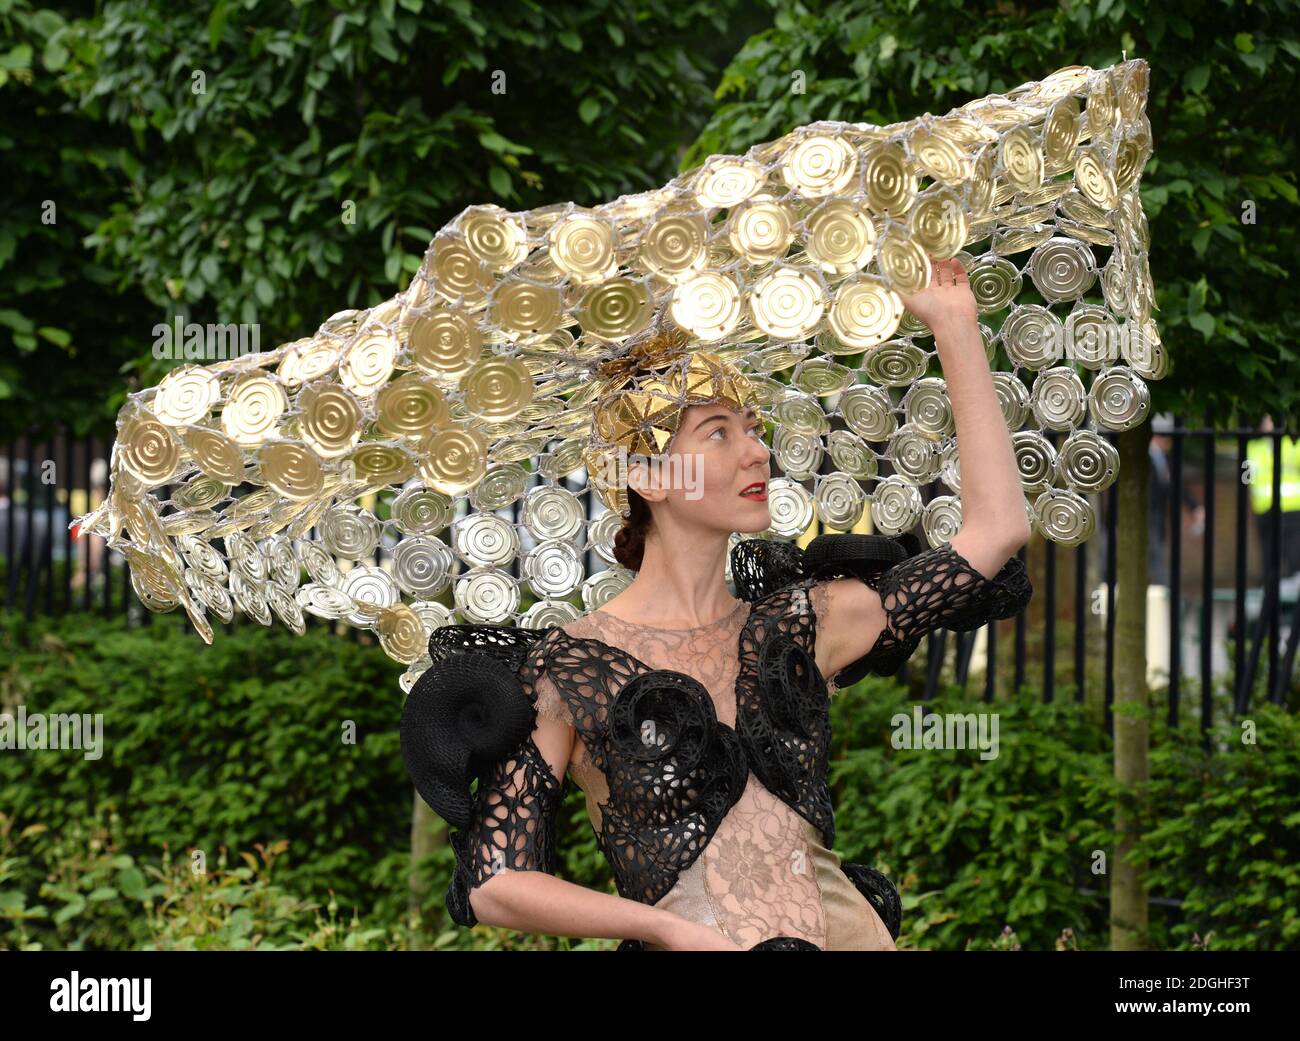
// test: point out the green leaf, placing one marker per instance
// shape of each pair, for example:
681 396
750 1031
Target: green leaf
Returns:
55 56
589 110
18 58
216 24
69 910
1203 323
571 40
264 291
500 181
58 337
131 882
1195 78
494 142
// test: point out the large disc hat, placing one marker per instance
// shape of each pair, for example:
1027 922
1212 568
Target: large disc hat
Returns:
430 459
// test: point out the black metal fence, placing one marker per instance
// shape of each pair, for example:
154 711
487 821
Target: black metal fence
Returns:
1231 623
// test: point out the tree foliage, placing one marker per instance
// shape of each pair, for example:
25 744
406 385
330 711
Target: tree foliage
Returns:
273 163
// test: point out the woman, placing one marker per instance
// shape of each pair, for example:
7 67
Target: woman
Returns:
696 723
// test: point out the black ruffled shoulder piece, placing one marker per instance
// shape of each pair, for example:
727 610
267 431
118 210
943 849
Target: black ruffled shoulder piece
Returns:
859 556
866 557
465 712
760 567
471 715
509 644
920 589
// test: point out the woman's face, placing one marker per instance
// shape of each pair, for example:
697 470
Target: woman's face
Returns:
716 454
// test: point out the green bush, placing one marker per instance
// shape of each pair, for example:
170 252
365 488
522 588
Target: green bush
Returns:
1223 832
976 845
229 745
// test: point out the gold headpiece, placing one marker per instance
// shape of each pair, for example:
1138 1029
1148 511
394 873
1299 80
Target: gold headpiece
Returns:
530 342
642 397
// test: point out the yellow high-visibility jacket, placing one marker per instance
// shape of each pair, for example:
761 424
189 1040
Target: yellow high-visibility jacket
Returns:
1259 453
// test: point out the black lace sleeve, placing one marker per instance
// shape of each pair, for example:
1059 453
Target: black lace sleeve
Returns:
935 589
473 715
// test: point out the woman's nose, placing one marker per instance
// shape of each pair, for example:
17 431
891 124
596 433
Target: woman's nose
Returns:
758 449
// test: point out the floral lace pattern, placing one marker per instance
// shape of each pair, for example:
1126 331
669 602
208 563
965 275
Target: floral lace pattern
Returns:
757 872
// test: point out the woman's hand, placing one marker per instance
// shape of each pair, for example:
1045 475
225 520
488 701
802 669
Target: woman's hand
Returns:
947 300
684 935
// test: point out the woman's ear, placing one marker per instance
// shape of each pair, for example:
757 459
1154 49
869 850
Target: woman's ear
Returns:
639 480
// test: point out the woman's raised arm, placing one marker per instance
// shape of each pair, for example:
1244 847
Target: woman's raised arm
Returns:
974 577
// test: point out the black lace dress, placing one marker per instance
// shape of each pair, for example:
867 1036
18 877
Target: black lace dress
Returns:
702 752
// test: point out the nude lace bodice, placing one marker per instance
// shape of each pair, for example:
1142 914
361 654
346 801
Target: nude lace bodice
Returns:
763 872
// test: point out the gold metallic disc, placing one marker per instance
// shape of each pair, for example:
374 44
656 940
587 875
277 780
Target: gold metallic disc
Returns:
707 306
761 229
819 165
291 469
673 247
888 179
903 263
217 456
865 312
841 237
495 237
411 406
726 181
582 246
453 459
938 223
615 309
525 307
497 389
186 395
787 304
330 419
445 343
368 364
253 407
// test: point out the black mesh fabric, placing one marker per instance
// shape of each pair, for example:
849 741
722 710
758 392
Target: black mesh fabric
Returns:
880 893
674 770
469 717
920 591
936 589
762 566
785 943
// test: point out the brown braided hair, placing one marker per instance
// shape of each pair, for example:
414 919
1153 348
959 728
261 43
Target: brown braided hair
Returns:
629 542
